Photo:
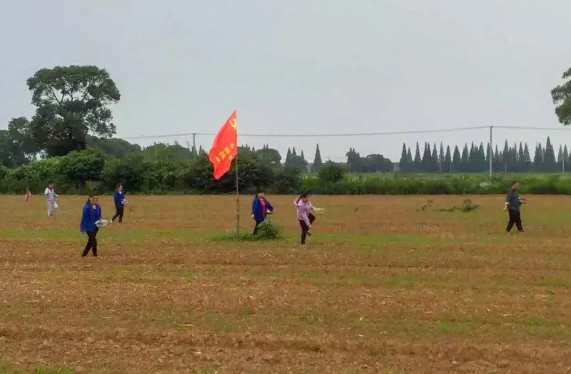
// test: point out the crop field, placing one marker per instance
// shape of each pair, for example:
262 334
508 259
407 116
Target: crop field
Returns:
383 286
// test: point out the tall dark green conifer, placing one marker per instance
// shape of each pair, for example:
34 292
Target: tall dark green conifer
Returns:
549 161
560 159
317 161
465 160
417 159
434 164
527 165
538 158
403 163
472 166
447 167
426 159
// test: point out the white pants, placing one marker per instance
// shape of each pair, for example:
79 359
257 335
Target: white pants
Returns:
52 208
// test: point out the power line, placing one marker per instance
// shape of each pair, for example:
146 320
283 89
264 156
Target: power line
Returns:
314 135
532 128
333 135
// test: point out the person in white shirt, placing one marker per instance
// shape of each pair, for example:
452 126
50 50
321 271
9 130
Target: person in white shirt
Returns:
51 197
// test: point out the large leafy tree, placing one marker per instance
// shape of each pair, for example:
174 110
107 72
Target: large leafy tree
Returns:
562 99
15 148
112 147
19 130
270 156
71 102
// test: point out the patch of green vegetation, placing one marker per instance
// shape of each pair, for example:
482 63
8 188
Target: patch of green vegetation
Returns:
38 369
466 207
267 230
62 234
554 282
41 369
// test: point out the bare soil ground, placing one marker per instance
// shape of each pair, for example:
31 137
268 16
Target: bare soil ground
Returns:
381 287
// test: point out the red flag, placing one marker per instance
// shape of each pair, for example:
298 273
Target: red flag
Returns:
225 147
28 195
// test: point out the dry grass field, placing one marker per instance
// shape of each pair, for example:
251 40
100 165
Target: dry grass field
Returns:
381 287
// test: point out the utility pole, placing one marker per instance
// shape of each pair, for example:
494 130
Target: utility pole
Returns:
194 141
490 155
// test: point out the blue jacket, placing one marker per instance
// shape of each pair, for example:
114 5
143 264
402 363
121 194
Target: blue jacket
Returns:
118 197
258 211
89 217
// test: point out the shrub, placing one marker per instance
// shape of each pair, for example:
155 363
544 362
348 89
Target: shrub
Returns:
268 230
332 172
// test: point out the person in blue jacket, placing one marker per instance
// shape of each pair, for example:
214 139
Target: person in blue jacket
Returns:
260 208
91 214
119 198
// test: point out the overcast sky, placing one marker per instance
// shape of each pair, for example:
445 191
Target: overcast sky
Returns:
302 66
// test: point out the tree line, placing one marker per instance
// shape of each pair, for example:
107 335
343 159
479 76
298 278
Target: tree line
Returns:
69 139
514 158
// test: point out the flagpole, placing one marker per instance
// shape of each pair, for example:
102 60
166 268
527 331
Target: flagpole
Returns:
237 196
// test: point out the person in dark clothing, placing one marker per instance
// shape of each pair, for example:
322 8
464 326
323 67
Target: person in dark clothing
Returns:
512 205
260 208
119 198
91 214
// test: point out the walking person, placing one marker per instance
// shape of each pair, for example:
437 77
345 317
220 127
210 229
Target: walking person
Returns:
512 205
304 215
91 214
260 208
51 198
119 198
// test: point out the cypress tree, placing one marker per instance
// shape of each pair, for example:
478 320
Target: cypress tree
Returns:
426 159
506 158
465 160
481 158
317 161
560 158
472 159
549 161
434 164
497 159
403 163
527 165
456 160
538 158
447 161
520 157
288 158
417 159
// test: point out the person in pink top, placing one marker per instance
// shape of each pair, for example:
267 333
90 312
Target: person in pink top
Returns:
304 215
